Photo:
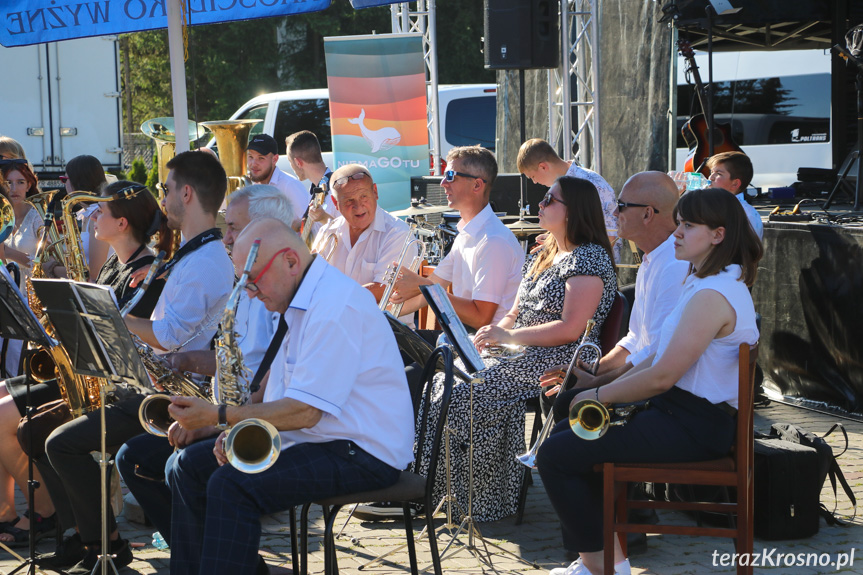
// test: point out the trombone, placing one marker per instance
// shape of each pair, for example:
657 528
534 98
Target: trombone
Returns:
529 458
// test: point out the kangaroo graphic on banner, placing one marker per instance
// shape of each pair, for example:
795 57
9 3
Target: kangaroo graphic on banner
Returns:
379 140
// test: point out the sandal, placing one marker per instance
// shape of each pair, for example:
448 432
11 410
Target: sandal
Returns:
43 525
21 537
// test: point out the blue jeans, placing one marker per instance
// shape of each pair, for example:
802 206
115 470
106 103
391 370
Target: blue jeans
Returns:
232 501
141 462
678 426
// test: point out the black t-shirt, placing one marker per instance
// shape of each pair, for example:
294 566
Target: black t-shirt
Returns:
117 275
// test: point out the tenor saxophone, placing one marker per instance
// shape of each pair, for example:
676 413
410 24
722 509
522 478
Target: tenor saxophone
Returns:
253 445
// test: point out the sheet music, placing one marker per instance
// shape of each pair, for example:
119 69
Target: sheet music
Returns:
453 326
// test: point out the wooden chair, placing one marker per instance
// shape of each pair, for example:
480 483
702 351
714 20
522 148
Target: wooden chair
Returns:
608 338
735 470
425 318
410 488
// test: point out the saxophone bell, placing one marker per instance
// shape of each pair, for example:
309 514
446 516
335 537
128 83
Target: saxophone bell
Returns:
153 414
253 445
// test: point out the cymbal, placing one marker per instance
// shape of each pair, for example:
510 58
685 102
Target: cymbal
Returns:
524 228
421 210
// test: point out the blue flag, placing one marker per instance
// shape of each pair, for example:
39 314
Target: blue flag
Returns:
24 22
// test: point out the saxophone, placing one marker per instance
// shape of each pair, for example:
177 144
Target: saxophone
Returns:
253 445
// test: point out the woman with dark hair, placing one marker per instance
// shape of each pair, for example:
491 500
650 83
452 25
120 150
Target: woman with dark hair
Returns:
566 283
127 225
19 183
691 381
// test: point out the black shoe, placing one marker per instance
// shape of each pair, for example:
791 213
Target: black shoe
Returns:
122 556
382 510
69 552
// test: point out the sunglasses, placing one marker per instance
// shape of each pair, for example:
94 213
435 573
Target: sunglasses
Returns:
64 179
342 181
450 175
549 199
623 205
251 285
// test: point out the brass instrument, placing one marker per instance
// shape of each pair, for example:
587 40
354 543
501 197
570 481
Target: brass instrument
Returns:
253 445
392 273
7 218
590 419
161 131
529 458
53 239
232 140
329 245
318 198
507 351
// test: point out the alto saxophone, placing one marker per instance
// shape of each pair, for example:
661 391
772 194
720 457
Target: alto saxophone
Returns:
253 445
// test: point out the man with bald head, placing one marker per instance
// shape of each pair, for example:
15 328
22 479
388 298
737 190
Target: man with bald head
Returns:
337 394
368 238
645 216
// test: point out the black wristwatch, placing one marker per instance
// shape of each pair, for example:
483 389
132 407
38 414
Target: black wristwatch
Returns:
223 417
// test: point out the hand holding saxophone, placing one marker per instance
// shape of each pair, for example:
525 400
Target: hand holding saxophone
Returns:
193 412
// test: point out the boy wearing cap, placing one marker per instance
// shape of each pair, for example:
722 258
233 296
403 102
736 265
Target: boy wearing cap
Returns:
261 157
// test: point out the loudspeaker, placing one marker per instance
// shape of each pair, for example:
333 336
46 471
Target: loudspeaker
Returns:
521 34
503 198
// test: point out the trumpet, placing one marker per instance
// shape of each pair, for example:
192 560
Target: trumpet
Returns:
508 351
529 458
392 274
590 419
328 246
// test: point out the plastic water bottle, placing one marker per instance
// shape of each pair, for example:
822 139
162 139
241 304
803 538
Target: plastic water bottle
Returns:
159 542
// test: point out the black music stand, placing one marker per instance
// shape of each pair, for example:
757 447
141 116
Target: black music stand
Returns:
88 324
452 326
18 322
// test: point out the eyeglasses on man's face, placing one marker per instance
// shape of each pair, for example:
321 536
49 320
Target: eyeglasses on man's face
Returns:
450 175
623 205
252 284
344 180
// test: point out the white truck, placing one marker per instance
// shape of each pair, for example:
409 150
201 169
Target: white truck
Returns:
62 99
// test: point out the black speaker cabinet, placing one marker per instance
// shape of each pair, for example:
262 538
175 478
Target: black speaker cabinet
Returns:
504 194
521 34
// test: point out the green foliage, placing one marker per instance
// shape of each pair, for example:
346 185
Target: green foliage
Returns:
138 173
233 62
121 175
153 175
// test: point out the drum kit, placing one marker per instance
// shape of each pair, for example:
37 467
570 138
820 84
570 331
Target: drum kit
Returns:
439 238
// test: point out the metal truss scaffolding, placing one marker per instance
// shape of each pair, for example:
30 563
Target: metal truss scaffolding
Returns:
573 88
423 21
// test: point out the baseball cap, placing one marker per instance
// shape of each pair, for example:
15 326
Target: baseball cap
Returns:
264 144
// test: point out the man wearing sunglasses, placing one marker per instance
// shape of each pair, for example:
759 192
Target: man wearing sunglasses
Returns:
484 265
337 392
369 239
540 163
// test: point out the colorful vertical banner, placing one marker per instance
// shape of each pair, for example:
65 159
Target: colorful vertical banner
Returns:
378 108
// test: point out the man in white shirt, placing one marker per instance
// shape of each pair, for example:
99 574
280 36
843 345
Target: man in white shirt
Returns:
367 239
141 460
733 171
540 163
304 152
261 158
484 265
337 394
646 216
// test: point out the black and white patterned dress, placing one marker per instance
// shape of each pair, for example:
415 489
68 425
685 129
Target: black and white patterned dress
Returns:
498 402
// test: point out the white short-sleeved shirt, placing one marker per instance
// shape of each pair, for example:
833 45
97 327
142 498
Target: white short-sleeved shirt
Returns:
340 356
606 197
194 295
484 263
658 284
752 215
294 190
714 374
26 239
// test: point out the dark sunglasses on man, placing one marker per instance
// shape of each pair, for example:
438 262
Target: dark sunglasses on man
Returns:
450 175
623 205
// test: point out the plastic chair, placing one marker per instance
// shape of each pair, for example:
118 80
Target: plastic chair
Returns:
734 470
410 488
608 338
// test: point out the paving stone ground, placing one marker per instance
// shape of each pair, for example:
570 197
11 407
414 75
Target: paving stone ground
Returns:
537 540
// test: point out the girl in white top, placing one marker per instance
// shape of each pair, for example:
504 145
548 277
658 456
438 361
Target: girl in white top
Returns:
19 183
692 388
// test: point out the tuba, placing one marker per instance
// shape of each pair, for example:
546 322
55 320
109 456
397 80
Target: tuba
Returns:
253 445
161 131
232 139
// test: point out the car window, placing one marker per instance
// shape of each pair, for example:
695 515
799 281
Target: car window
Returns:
256 113
297 115
471 121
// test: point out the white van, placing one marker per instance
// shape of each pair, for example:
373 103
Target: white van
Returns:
778 105
467 112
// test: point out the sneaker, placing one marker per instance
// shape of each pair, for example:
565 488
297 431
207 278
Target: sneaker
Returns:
381 510
69 552
121 556
577 568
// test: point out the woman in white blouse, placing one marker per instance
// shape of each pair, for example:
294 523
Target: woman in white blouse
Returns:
19 183
691 381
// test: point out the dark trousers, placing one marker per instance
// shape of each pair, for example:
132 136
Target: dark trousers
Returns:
216 525
76 475
678 426
141 462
